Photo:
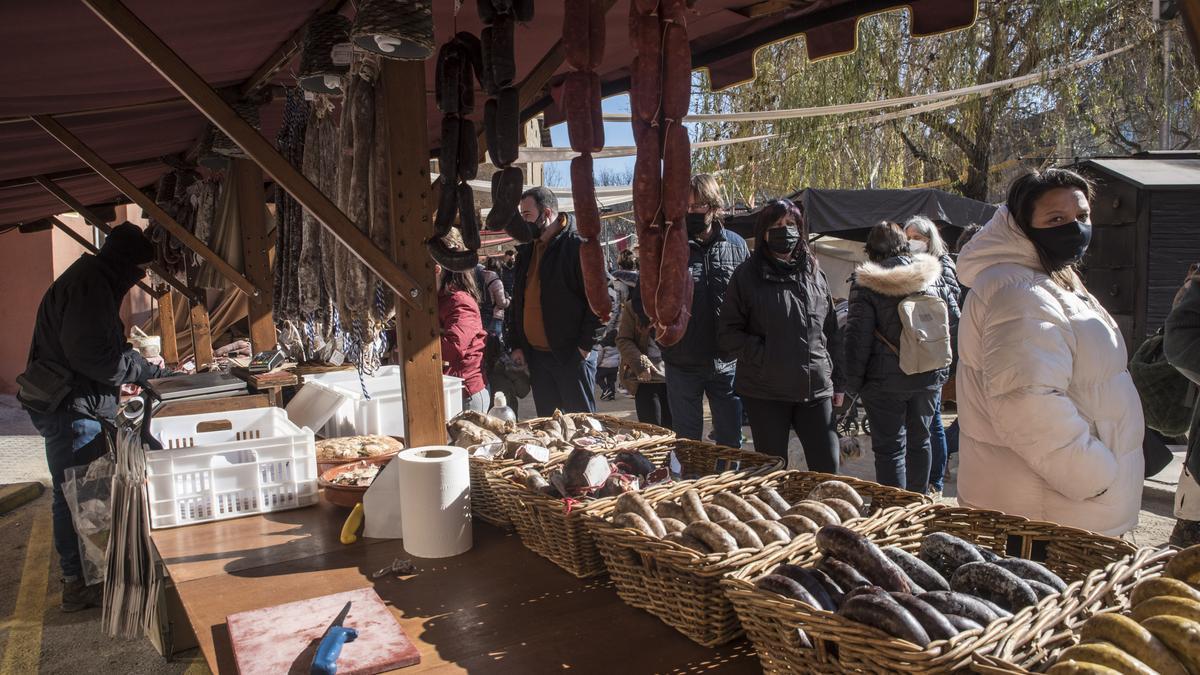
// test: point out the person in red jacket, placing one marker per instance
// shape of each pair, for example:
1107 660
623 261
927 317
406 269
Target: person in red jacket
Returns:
463 337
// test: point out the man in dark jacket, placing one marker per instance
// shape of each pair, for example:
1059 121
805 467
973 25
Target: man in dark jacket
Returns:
899 405
79 329
694 365
550 325
1181 346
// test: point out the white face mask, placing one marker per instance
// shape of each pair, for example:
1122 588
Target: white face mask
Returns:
918 246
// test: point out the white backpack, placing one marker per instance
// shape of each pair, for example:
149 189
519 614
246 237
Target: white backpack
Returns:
925 336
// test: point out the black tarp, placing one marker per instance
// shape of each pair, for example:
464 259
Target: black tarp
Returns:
849 214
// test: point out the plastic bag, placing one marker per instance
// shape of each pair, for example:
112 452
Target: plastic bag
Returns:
88 489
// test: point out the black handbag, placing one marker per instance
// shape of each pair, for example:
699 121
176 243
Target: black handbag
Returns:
43 386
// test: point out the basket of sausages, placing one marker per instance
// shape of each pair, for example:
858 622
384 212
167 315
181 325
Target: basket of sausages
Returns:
666 554
548 505
1137 615
927 593
495 444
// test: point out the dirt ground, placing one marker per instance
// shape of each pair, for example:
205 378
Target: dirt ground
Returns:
36 637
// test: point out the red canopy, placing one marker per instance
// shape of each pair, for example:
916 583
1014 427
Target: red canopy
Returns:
59 58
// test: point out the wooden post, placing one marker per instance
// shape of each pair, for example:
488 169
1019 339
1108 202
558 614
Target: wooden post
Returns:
166 327
202 347
106 171
255 246
417 330
189 83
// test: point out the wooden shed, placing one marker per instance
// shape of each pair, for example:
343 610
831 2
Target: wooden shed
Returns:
1147 232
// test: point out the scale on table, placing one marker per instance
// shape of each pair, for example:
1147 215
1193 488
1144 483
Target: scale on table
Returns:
198 386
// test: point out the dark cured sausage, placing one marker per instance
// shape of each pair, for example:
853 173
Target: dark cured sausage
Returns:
451 259
673 274
448 154
447 209
501 55
591 260
468 219
583 193
647 177
576 102
677 174
583 33
468 151
508 127
669 335
677 72
649 254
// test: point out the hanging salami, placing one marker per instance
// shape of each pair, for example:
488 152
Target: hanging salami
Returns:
502 112
583 42
659 94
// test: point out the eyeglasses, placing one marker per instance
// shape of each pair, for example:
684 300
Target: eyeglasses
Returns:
699 208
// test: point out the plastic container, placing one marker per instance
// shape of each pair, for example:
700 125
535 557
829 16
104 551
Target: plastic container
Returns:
383 412
225 465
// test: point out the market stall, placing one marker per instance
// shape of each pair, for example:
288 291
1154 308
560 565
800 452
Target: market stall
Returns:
241 512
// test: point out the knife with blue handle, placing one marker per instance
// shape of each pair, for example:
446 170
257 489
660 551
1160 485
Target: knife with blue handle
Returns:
325 662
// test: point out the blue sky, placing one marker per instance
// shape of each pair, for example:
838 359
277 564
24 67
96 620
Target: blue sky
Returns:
615 133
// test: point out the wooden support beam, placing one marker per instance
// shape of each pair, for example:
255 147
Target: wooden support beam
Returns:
98 223
91 248
166 327
418 332
202 348
71 142
189 83
252 212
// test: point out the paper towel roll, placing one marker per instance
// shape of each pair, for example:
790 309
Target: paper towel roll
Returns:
435 501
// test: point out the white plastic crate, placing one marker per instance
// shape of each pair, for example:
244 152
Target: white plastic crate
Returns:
254 461
383 412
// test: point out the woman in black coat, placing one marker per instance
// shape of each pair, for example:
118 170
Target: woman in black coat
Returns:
900 406
778 321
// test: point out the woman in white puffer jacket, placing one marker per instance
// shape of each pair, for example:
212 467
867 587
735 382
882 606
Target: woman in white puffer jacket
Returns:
1052 426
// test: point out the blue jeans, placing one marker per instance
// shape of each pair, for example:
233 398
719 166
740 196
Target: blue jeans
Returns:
495 326
938 448
71 440
900 437
686 389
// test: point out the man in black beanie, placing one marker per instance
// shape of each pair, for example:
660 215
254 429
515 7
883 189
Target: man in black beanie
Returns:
79 348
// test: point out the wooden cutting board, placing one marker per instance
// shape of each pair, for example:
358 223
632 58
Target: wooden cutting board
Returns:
284 638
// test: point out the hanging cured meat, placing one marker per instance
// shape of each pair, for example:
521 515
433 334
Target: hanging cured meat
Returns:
502 111
460 62
583 43
659 93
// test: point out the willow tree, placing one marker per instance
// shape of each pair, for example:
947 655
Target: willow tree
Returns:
1113 106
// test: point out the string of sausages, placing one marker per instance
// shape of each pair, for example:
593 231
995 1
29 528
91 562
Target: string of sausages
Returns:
459 62
583 44
502 111
659 93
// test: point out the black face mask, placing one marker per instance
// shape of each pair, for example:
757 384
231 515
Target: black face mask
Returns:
782 240
1064 244
697 223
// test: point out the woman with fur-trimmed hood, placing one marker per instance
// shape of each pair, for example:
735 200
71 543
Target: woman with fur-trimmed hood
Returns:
899 406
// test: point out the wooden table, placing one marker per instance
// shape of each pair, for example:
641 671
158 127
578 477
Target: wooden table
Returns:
272 384
498 608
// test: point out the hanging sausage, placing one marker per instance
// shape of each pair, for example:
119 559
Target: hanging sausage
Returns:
659 94
583 43
502 111
459 63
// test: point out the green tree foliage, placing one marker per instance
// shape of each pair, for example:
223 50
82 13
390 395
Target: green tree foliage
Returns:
1112 107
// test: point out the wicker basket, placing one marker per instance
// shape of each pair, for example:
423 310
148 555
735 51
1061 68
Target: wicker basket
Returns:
790 635
682 587
1104 590
651 434
488 506
556 529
